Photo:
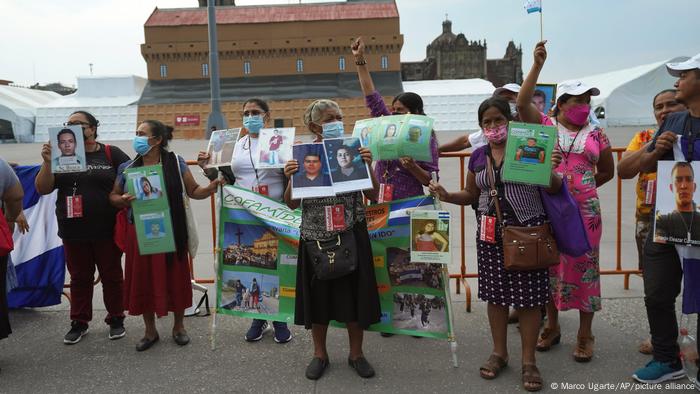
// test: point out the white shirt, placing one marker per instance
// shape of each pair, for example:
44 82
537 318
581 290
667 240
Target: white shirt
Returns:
477 139
244 155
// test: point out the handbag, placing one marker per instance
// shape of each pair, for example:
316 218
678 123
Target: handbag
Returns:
334 257
6 243
192 234
524 248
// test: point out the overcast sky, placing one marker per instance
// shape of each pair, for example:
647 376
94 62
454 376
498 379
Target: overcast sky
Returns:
55 40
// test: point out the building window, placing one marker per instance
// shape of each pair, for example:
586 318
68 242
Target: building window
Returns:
300 65
385 62
163 70
205 69
246 67
341 63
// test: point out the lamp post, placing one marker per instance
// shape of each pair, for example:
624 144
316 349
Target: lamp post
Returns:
216 119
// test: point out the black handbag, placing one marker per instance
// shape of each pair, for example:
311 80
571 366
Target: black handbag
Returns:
334 257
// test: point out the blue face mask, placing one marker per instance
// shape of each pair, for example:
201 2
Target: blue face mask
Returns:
333 129
253 123
140 145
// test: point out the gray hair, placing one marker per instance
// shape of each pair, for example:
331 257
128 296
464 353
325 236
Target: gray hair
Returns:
316 109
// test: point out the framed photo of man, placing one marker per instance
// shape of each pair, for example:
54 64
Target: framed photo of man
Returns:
348 171
220 148
676 219
67 149
313 178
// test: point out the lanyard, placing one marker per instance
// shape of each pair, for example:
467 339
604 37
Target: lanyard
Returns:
252 164
690 136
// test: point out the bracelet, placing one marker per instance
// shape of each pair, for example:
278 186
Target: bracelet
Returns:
361 61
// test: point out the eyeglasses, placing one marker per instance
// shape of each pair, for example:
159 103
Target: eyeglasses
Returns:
76 123
254 112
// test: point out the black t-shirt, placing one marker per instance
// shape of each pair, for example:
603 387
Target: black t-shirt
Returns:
677 122
94 186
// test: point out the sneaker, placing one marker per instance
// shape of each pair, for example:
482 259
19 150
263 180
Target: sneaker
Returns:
256 330
76 333
282 333
657 372
116 328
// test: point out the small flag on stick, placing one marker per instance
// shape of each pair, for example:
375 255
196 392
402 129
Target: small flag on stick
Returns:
533 6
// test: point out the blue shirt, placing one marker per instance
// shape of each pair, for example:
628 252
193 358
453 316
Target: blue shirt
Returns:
676 122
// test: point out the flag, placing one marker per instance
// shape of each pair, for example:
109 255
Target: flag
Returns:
38 255
690 260
533 6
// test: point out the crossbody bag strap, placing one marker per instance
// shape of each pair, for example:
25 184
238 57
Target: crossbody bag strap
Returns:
493 192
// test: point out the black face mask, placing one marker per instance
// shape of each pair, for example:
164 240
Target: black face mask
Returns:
397 113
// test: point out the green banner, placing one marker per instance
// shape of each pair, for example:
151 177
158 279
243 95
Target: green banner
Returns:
154 229
528 157
391 137
258 240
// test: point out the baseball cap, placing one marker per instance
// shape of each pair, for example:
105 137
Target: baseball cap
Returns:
574 88
511 87
676 69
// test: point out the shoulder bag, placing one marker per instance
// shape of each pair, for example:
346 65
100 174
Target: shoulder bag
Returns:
524 248
192 234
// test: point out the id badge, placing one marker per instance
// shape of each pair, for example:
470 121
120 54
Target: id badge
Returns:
650 193
488 229
335 217
386 192
261 189
74 206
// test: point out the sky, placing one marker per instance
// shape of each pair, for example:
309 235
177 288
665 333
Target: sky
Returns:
48 41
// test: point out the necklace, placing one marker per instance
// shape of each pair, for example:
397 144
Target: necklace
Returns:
565 155
688 228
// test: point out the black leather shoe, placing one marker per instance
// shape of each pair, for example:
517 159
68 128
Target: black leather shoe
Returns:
316 368
145 344
362 367
181 338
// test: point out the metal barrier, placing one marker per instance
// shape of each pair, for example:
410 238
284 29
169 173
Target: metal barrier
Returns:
463 275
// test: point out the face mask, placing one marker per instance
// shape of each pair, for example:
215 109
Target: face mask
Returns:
578 114
253 123
513 109
333 129
497 134
141 146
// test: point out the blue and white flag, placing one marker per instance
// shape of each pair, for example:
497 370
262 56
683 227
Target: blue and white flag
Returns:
533 6
38 255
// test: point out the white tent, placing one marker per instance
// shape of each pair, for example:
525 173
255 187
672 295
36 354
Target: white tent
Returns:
626 95
18 108
453 103
113 100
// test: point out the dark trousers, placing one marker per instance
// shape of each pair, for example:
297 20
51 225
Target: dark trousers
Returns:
663 274
81 259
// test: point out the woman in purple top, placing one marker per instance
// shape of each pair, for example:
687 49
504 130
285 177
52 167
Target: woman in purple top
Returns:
405 176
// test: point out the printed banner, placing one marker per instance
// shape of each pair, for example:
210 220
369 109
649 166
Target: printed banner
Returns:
528 157
154 229
258 240
391 137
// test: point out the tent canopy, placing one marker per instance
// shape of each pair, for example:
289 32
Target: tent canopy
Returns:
626 95
18 107
453 103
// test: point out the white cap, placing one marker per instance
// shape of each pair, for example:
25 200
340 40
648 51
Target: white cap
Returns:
574 88
676 69
511 87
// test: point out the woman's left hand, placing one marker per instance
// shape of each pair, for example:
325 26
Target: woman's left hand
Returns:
215 183
21 222
556 158
366 155
202 158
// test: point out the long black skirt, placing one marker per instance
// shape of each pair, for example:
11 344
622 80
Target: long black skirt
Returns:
4 313
352 298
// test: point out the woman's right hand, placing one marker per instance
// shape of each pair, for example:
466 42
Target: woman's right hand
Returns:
202 158
540 54
290 168
46 153
358 48
436 189
126 199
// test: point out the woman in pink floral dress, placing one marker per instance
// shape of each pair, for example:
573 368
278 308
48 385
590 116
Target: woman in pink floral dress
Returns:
587 164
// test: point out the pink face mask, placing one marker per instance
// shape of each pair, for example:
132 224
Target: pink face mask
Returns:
578 114
496 134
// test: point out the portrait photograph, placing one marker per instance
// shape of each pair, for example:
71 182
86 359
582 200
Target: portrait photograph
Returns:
275 147
677 219
220 148
313 177
67 149
348 171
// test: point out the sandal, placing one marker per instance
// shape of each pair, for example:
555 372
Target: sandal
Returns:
548 338
532 380
645 347
493 365
584 349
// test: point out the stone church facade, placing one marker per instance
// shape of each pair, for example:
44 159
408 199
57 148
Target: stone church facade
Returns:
452 56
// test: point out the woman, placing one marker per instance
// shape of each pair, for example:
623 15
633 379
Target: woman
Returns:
269 181
405 177
148 192
86 226
521 205
159 283
587 164
351 299
426 239
11 194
